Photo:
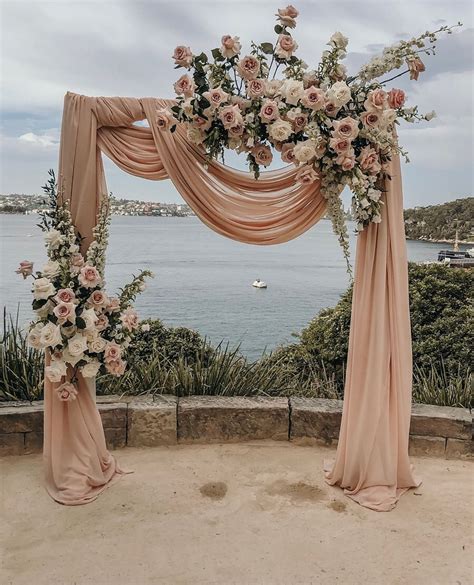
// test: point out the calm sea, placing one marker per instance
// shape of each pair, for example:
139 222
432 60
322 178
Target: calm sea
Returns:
203 281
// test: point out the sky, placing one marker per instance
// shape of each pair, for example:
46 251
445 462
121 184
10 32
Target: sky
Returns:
124 48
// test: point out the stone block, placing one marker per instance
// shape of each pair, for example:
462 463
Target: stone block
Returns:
152 421
12 443
423 446
114 416
22 419
216 419
315 419
458 449
115 438
33 443
441 421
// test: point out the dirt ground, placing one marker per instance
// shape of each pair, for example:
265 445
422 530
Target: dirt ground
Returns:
246 514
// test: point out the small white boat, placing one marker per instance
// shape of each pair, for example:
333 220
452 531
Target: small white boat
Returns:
259 284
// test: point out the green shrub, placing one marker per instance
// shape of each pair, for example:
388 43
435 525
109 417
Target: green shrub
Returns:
21 367
171 343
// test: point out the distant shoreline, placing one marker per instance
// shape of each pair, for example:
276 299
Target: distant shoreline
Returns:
464 242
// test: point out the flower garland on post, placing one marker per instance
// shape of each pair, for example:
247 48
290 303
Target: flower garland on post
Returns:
84 330
336 128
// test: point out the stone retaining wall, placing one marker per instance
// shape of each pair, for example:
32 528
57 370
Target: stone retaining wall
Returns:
166 420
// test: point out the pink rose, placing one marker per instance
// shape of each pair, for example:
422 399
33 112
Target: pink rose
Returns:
369 160
66 392
116 367
287 152
339 145
113 305
164 119
313 98
77 261
248 67
286 46
89 277
287 16
299 122
65 312
65 295
346 128
371 119
396 98
306 174
331 109
98 299
269 111
25 268
102 322
112 352
231 116
256 88
184 86
236 130
216 97
346 160
230 46
262 154
201 123
376 100
129 319
416 66
183 56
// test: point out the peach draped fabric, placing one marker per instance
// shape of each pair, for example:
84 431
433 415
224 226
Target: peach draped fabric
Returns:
372 458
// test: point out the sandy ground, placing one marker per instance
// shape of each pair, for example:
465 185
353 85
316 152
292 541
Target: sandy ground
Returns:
247 514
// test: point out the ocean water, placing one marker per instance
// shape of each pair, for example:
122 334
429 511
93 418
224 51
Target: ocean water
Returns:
203 280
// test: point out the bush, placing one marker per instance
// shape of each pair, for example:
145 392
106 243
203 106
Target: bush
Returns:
442 331
21 367
170 343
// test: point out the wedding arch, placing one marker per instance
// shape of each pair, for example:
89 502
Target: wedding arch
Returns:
372 462
339 131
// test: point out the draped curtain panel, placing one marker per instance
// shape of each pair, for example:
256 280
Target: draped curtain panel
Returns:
372 462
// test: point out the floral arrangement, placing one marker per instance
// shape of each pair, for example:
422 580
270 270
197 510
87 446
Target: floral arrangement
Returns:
84 330
336 128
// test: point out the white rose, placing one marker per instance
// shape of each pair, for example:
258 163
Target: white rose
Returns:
77 345
53 238
339 94
280 130
304 151
338 40
292 90
72 359
43 288
145 327
430 115
273 87
50 335
90 318
195 135
51 269
34 337
97 344
56 371
90 369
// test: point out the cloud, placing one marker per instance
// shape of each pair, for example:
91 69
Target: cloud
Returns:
124 47
42 140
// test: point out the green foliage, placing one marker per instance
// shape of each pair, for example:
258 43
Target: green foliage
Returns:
439 222
166 360
442 334
21 367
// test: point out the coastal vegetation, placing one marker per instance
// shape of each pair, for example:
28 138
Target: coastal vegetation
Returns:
438 223
179 361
